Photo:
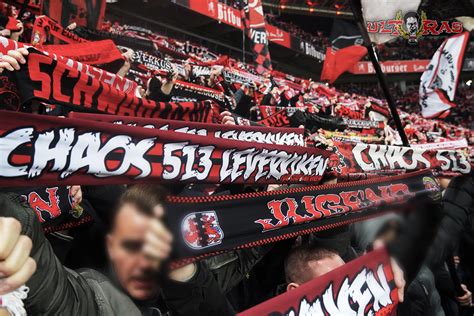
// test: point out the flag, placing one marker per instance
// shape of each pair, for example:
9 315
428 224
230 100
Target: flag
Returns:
439 81
88 13
382 10
254 23
346 49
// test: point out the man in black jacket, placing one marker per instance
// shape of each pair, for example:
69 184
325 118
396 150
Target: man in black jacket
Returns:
137 246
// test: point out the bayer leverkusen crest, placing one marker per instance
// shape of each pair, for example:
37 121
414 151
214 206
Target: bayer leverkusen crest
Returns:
201 230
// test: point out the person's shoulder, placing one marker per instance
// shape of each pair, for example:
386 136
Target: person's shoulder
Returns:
109 299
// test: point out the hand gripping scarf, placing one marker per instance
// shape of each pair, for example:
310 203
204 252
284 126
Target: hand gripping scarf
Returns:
71 84
207 225
364 159
262 135
38 150
54 207
364 286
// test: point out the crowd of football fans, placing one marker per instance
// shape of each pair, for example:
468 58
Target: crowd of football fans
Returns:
129 222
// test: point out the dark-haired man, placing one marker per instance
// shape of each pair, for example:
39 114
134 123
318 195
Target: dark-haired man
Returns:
134 283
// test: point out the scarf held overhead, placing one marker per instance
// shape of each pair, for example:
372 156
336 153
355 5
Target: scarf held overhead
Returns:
72 151
372 158
205 225
72 84
364 286
99 52
263 135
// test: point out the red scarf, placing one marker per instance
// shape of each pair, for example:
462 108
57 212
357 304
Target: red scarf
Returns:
93 53
362 286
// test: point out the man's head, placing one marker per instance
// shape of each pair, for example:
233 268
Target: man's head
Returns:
306 262
135 272
411 22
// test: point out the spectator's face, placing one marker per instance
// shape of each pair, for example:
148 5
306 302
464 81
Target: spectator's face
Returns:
135 272
317 268
412 25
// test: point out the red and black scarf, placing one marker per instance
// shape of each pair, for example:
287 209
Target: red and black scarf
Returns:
41 150
206 225
258 134
364 159
364 286
72 84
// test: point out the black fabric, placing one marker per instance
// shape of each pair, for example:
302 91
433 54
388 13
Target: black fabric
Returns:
121 40
422 225
200 295
244 105
458 219
344 34
203 226
313 121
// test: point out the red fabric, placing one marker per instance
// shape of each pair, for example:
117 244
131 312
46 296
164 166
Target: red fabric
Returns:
331 292
338 62
99 52
12 24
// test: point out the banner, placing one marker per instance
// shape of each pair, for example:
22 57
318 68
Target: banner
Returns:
254 23
439 82
262 135
43 78
99 52
364 286
40 150
390 67
370 158
207 225
226 14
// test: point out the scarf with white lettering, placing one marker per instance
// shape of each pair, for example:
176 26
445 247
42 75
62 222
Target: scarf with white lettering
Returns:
258 134
207 225
364 286
196 92
363 159
71 84
42 150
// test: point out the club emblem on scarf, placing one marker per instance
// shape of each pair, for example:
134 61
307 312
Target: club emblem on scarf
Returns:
201 230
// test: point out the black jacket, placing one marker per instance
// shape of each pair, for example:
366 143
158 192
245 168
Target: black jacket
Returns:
57 290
